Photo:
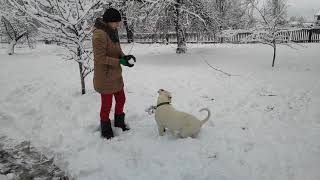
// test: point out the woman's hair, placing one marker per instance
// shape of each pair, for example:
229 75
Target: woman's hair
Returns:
113 33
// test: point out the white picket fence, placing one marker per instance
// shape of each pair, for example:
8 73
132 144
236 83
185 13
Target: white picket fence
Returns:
315 37
298 35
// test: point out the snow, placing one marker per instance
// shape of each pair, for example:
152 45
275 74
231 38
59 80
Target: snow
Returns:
131 61
265 121
3 177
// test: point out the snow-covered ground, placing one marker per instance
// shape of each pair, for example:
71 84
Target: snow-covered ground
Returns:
265 122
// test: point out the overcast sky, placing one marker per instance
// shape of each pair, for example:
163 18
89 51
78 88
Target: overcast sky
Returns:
305 8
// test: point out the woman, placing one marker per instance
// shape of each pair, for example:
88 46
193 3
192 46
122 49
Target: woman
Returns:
107 80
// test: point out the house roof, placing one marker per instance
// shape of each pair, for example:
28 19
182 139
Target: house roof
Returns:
318 13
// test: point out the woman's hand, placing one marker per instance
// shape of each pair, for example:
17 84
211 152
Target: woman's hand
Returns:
125 60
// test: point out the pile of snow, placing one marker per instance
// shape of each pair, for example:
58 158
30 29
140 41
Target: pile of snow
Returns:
265 123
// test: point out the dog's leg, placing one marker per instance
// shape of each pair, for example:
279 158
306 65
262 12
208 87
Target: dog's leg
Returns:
195 135
183 135
172 132
187 132
161 130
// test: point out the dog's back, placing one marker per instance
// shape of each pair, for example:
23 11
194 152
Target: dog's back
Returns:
175 120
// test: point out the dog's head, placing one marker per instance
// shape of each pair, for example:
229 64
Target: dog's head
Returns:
164 96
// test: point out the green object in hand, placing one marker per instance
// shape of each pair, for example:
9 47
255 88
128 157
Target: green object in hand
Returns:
123 61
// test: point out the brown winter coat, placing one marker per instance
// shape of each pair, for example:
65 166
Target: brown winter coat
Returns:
107 76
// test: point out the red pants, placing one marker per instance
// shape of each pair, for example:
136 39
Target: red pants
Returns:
106 104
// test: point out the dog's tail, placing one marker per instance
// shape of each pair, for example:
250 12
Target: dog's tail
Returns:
208 117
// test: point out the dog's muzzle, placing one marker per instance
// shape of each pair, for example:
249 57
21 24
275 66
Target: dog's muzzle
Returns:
160 90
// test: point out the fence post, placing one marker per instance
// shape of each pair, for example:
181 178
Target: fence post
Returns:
310 35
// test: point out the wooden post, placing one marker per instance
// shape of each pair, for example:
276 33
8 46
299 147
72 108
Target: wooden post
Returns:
310 35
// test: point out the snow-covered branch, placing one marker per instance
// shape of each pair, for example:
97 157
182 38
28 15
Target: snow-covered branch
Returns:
271 13
17 28
66 22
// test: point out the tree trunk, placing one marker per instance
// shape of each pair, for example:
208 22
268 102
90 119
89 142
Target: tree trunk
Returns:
11 47
83 85
167 39
274 54
276 8
128 27
310 35
222 12
82 78
181 40
14 43
166 30
129 30
221 8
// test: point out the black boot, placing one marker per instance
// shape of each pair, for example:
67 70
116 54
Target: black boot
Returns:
119 122
106 130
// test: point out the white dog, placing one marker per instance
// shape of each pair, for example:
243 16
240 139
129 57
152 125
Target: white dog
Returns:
167 117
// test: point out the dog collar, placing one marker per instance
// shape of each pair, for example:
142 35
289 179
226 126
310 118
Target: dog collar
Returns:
161 104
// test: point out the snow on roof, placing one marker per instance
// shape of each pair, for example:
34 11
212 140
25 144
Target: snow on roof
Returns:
318 13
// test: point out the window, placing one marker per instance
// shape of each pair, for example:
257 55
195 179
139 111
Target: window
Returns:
318 18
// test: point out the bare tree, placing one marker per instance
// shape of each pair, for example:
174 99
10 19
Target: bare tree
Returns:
15 26
155 15
272 18
68 23
231 13
128 18
178 16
